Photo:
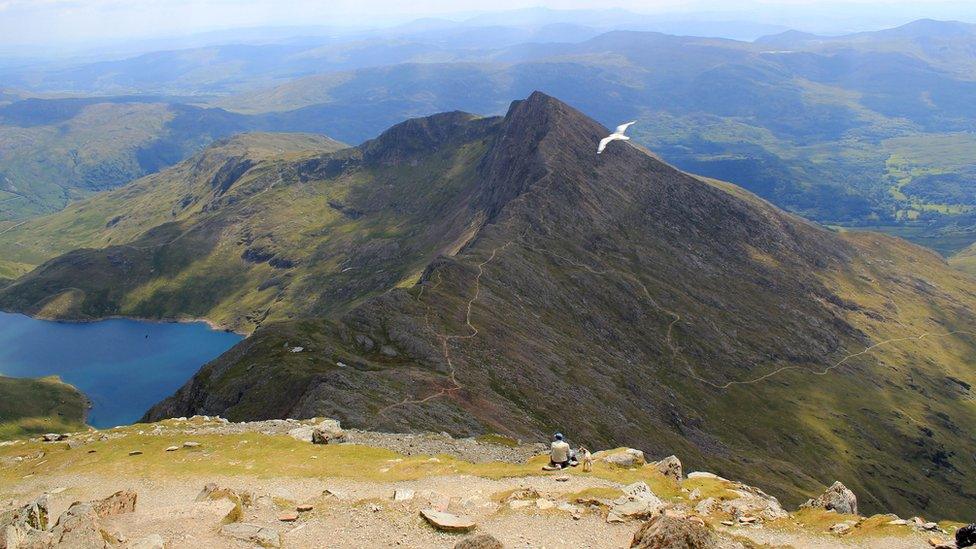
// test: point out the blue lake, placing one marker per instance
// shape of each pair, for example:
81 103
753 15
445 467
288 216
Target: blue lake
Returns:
123 366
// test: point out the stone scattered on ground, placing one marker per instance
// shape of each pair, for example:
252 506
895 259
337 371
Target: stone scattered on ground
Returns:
751 501
842 528
154 541
135 453
191 444
288 516
448 522
403 494
836 498
304 508
667 532
482 541
252 533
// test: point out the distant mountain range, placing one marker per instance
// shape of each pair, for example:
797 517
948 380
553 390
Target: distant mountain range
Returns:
871 130
479 275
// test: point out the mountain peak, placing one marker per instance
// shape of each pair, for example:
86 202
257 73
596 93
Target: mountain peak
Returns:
408 140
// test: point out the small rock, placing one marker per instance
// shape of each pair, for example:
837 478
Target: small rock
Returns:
544 504
288 516
135 453
119 503
403 494
695 494
154 541
483 541
842 527
748 520
54 437
252 533
670 467
304 508
519 503
728 523
447 522
191 444
898 522
562 478
172 448
704 474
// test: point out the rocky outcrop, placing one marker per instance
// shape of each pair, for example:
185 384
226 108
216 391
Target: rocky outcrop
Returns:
750 503
667 532
836 498
17 524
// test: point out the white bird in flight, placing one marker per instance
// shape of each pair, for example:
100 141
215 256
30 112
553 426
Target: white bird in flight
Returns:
617 135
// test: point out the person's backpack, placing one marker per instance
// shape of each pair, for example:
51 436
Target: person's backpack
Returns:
966 536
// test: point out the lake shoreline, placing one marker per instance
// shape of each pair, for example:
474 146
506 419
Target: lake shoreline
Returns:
215 326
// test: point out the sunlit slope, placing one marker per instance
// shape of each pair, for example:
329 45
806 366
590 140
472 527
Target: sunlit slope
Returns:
45 405
626 302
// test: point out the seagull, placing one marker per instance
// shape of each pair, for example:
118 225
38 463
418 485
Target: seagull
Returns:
617 135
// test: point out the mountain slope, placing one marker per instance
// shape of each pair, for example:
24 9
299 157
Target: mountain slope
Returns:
625 302
965 260
33 406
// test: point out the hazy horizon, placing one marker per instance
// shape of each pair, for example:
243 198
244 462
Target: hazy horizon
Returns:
51 24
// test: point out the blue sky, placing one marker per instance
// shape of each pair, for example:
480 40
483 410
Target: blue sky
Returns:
66 21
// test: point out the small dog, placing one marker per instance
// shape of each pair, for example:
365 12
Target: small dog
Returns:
586 458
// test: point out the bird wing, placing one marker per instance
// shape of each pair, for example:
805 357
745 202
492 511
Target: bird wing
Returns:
603 143
623 127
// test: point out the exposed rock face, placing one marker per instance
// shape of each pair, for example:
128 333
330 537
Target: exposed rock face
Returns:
18 525
836 498
667 532
621 457
482 541
670 467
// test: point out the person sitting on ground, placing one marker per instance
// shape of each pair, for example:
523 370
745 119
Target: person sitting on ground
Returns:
559 453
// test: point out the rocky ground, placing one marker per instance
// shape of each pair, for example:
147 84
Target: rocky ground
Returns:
205 482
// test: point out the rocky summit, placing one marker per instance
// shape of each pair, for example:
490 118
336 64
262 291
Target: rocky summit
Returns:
268 484
495 276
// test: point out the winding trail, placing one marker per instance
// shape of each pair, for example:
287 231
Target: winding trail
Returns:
445 339
455 385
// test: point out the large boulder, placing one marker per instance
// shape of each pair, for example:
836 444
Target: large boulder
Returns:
668 532
79 527
621 457
836 498
325 432
17 525
637 503
670 467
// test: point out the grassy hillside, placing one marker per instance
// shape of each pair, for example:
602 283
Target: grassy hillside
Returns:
45 405
239 236
965 260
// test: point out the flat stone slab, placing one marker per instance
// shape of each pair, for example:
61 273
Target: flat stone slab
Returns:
448 522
